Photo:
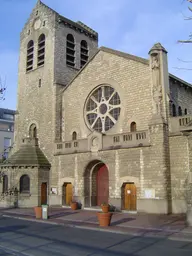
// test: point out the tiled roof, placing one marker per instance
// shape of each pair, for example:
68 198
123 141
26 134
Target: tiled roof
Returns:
28 155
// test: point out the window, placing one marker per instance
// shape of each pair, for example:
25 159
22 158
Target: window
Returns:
7 145
5 183
174 110
74 136
24 184
41 50
179 111
30 50
185 111
133 127
70 50
33 131
39 82
84 53
8 116
102 108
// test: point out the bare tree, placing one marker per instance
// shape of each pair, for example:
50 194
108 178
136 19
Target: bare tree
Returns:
187 18
2 89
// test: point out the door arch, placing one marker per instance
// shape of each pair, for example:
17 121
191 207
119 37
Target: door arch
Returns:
96 184
129 196
67 193
44 193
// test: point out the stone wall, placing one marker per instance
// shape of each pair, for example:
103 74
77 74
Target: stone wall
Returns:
179 160
181 95
131 79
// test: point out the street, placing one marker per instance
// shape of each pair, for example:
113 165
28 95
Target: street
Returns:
19 237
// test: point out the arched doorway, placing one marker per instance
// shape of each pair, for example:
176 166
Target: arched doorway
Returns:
44 193
96 184
129 196
67 193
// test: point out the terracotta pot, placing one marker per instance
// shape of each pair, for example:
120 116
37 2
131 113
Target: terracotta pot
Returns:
105 208
74 206
104 218
38 212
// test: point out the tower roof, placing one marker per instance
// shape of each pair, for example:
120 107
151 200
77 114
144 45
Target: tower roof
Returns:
28 155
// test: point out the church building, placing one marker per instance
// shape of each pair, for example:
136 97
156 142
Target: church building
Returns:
96 125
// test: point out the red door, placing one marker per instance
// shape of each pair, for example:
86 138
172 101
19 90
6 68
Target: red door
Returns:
102 185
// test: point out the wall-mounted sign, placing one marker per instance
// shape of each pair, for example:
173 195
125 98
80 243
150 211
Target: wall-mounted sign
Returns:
149 193
54 191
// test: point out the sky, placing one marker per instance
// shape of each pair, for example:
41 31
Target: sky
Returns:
126 25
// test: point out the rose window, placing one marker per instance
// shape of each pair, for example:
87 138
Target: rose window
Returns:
102 108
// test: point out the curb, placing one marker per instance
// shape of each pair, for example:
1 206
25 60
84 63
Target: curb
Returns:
70 225
170 236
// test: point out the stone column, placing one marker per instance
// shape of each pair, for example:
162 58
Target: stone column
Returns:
159 82
159 174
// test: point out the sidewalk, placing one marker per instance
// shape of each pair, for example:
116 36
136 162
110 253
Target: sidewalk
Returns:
173 226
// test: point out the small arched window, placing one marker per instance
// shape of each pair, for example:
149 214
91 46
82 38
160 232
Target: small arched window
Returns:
179 111
133 127
84 53
74 136
30 51
70 50
41 50
33 131
5 183
185 111
24 184
174 110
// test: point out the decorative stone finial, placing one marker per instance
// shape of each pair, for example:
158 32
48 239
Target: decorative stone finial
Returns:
157 47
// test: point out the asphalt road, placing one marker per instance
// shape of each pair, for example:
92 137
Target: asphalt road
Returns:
18 237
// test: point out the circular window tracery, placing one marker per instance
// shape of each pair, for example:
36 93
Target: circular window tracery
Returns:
103 108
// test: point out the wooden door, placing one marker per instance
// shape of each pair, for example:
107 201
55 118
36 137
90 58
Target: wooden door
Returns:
44 193
102 185
69 193
130 197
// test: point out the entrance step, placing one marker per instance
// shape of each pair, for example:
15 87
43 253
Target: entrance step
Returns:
131 212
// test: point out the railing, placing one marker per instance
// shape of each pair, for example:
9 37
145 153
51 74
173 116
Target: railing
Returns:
126 140
180 123
69 147
134 139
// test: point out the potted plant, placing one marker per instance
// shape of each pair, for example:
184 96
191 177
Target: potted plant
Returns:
38 212
104 218
74 205
105 207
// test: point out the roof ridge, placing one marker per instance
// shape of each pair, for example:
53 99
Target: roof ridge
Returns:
125 55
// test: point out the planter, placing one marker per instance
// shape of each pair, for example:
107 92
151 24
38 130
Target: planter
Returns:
104 218
38 212
105 208
74 205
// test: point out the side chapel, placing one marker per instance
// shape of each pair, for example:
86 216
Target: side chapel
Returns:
96 124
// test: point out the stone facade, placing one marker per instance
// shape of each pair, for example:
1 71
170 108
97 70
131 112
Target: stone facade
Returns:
112 114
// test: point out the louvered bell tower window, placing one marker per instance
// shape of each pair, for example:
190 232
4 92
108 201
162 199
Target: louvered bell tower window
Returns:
70 51
41 51
30 51
84 53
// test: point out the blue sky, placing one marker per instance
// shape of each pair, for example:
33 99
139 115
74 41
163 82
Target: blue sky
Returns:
126 25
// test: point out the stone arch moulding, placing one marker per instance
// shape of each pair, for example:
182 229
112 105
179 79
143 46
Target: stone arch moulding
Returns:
92 193
110 82
75 130
36 35
32 122
131 120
